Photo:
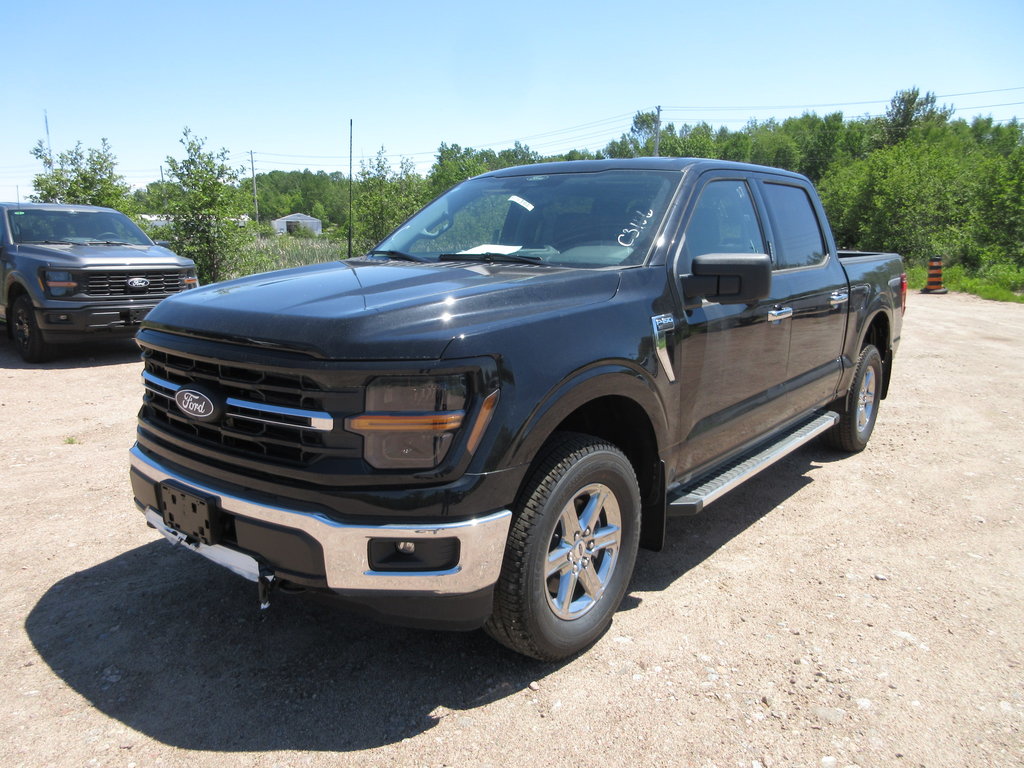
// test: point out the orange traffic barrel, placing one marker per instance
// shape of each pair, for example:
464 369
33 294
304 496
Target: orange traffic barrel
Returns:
934 284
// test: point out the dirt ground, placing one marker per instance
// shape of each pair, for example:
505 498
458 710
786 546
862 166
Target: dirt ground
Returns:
836 611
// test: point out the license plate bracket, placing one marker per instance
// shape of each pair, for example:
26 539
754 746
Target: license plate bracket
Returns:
193 514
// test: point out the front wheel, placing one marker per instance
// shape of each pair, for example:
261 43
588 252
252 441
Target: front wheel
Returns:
859 408
570 551
25 332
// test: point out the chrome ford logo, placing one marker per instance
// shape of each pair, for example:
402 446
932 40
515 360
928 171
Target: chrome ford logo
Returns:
196 404
138 282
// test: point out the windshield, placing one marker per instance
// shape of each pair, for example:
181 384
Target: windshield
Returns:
592 220
40 225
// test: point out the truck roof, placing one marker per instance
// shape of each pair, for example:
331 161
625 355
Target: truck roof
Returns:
637 163
54 207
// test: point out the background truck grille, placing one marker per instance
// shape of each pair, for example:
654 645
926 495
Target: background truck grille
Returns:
116 283
275 417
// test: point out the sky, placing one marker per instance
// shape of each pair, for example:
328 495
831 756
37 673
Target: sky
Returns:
283 80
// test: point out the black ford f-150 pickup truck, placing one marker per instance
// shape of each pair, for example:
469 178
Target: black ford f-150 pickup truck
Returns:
478 422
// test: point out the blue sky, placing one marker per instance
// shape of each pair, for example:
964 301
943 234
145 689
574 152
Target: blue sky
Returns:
284 79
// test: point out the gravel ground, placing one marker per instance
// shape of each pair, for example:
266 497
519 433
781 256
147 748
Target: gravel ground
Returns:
835 611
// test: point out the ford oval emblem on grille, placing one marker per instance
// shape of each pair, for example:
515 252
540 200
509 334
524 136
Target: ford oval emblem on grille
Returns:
138 282
196 404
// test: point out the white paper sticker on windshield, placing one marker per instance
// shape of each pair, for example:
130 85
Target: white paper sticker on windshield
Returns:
487 248
519 201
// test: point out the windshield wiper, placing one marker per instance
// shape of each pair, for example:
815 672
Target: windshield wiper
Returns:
45 242
107 242
400 255
491 258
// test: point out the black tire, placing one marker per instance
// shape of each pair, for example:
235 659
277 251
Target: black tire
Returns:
859 409
557 595
25 333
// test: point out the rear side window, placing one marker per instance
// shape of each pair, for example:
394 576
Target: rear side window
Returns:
723 221
798 239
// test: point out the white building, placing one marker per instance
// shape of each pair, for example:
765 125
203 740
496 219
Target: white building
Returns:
293 221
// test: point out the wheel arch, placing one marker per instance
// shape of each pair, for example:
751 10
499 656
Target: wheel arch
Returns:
622 407
878 331
14 290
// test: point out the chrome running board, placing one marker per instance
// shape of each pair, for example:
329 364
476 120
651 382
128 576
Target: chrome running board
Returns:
693 498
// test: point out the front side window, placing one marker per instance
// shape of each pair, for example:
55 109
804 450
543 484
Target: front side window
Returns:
592 220
723 221
798 240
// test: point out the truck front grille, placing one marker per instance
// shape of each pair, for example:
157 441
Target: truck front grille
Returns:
264 418
103 284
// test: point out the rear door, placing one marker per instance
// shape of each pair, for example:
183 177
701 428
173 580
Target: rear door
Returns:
812 291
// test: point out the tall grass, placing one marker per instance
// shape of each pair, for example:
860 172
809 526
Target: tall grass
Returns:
266 253
997 282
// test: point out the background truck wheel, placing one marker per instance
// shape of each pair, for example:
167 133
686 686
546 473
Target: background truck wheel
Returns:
570 551
25 332
859 409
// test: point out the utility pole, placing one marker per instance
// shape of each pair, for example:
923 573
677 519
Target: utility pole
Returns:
255 199
657 133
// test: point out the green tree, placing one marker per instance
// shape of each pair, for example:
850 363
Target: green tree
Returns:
916 197
909 108
384 198
82 177
999 227
454 165
204 205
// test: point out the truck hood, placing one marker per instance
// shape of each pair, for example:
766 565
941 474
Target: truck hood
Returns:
367 310
72 256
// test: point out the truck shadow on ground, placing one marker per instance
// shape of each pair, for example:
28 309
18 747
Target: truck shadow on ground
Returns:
71 356
690 540
175 647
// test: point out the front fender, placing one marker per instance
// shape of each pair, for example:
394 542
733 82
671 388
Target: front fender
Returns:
619 379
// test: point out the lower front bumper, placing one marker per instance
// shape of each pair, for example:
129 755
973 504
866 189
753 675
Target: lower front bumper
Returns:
61 324
345 548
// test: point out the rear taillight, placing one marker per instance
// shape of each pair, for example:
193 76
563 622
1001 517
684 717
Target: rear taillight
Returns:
903 293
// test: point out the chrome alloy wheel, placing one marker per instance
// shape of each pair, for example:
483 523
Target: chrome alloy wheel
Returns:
866 400
583 551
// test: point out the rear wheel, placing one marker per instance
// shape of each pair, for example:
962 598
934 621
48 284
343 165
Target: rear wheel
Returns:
570 551
25 332
860 407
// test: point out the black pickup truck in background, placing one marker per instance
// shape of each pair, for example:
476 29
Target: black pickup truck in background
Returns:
79 273
479 422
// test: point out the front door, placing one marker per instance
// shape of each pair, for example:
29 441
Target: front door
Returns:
731 360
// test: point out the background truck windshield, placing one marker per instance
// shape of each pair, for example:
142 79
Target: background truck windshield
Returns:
39 225
591 220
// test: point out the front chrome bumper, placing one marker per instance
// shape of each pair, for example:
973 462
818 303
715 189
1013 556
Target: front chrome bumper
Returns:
345 546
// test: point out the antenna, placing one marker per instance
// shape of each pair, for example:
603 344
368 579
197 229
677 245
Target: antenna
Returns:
49 148
350 187
255 200
657 134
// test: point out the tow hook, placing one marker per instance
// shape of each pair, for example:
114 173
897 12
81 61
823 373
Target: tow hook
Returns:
264 584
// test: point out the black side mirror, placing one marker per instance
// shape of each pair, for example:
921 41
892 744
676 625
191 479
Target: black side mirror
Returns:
729 278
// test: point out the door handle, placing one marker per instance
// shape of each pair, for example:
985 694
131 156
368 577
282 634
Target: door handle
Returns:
776 316
838 297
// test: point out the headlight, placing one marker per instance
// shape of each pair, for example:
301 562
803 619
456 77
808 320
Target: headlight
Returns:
59 283
190 280
410 422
